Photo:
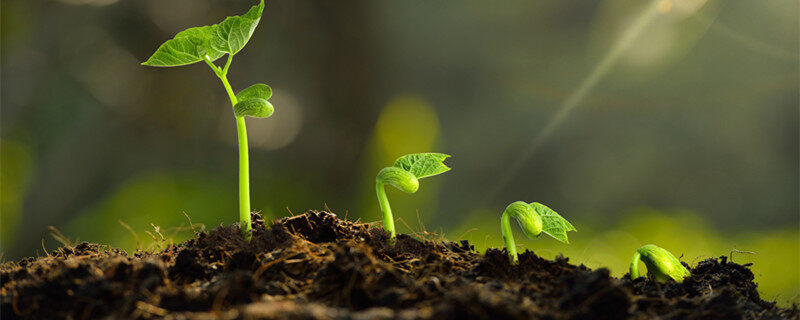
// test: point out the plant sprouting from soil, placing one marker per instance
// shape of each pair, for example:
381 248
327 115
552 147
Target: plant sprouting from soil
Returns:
207 44
405 175
533 218
661 264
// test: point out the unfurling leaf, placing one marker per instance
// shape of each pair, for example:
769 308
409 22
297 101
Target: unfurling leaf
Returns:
258 90
255 107
552 223
423 165
194 44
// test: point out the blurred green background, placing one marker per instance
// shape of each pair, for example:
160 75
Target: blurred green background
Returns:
672 122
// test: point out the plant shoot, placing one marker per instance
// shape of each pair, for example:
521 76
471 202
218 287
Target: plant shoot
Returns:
405 175
660 263
533 218
207 44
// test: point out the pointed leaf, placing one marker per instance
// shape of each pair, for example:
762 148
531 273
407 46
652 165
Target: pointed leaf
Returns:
423 165
231 35
255 107
187 47
552 223
258 90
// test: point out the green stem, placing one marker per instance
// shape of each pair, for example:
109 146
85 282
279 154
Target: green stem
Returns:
388 221
635 265
508 237
244 166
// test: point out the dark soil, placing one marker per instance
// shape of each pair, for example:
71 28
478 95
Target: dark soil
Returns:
315 266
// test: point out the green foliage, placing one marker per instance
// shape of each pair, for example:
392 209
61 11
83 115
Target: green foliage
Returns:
553 224
423 165
207 42
252 102
256 91
533 219
231 35
405 175
661 264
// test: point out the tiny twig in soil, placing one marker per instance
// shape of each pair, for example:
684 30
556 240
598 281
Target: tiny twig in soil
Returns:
135 236
739 251
191 225
45 249
60 237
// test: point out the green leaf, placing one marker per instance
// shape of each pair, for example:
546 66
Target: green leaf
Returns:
552 223
231 35
423 165
187 47
255 107
193 44
258 90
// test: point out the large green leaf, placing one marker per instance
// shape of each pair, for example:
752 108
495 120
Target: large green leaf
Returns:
552 223
423 165
187 47
258 90
255 107
231 35
193 44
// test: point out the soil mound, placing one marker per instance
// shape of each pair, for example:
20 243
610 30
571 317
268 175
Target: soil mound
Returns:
316 266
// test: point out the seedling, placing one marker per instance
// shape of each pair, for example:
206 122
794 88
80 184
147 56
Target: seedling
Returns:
661 264
207 44
533 218
405 175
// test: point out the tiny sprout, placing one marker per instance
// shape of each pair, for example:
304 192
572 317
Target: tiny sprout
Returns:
661 264
534 219
207 44
405 175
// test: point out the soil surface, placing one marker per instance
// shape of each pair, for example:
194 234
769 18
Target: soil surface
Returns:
316 266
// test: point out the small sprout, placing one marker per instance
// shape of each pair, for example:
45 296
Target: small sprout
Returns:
207 44
533 218
661 264
405 175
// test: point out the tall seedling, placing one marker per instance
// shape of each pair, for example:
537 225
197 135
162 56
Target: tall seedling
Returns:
207 44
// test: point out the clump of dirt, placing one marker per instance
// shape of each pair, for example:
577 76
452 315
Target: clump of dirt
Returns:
316 266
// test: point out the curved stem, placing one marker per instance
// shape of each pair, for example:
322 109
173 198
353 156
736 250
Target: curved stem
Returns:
508 237
634 268
244 166
388 220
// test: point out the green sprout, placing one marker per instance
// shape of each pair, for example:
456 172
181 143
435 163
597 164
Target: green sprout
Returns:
405 175
661 264
533 218
207 44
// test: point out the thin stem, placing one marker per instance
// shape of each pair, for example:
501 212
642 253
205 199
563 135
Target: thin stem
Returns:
244 166
228 88
388 221
244 181
508 237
